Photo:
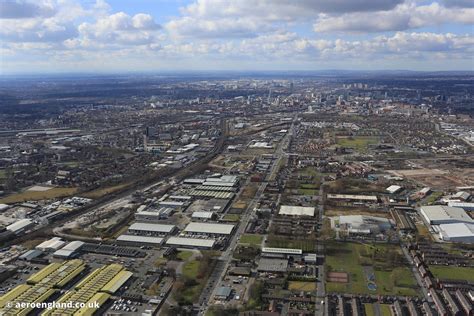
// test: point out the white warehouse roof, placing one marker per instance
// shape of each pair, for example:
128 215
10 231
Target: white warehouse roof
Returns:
441 214
393 189
464 205
205 215
209 228
160 228
190 242
296 210
141 239
73 245
287 251
52 244
457 232
19 225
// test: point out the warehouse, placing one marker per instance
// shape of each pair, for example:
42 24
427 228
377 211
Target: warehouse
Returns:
40 287
212 205
149 229
457 232
140 240
212 194
70 250
464 205
296 210
353 197
282 252
362 224
209 229
20 226
97 286
191 242
51 245
172 204
31 254
441 214
154 215
394 189
203 215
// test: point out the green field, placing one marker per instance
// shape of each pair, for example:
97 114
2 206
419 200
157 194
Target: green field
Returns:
302 286
359 143
351 257
386 310
251 239
369 309
306 245
231 217
38 195
184 255
191 269
307 192
98 193
454 273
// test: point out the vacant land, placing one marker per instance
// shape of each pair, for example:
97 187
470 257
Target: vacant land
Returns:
453 273
391 277
98 193
302 286
359 143
38 195
386 310
369 309
306 245
231 217
251 239
184 255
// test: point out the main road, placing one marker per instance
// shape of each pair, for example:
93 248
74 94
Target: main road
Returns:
226 257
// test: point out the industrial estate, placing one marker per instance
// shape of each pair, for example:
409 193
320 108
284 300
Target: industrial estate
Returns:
251 196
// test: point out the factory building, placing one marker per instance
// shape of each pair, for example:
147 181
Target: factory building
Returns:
457 232
362 224
20 226
70 250
98 286
203 215
441 214
140 240
464 205
296 210
154 216
150 229
52 244
39 287
211 229
191 242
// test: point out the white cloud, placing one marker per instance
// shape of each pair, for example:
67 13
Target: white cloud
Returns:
119 28
403 17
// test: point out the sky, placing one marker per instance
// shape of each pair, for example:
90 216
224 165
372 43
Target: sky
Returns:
99 36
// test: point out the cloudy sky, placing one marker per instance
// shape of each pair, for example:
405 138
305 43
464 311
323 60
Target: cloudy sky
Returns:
47 36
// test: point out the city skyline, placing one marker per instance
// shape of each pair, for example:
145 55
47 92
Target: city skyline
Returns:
120 36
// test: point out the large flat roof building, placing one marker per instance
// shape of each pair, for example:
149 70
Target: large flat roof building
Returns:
441 214
296 210
209 228
20 226
457 232
140 240
190 242
151 229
